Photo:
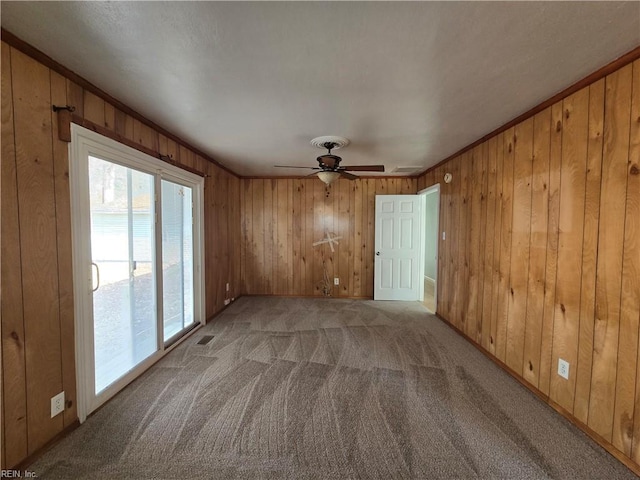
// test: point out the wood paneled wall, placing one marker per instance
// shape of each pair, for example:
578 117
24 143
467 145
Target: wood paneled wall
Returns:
37 290
282 218
542 253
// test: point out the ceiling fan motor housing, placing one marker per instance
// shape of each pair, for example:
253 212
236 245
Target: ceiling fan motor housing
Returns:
329 162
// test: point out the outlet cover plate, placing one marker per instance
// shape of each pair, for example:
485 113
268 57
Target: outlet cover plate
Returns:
563 368
336 281
57 404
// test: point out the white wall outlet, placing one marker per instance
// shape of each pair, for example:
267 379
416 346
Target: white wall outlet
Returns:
227 287
57 404
444 235
563 368
336 281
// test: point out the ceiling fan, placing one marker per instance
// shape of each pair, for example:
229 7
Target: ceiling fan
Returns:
329 164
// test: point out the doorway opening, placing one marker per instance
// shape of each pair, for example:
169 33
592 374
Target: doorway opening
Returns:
431 229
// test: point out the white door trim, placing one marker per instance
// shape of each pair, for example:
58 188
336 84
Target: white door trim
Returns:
433 189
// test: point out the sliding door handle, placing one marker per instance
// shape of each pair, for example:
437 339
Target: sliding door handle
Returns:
97 277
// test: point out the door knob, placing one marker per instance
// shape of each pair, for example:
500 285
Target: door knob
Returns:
378 253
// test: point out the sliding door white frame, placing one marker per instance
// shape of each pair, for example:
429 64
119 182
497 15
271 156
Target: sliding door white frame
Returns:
85 143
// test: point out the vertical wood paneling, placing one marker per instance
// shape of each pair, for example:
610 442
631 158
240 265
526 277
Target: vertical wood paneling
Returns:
520 239
555 161
75 97
145 135
248 252
497 245
278 233
451 213
589 251
631 302
625 410
297 209
309 236
65 260
461 225
120 125
109 115
371 202
538 246
505 240
365 268
357 239
281 201
38 249
489 227
474 183
317 210
480 322
259 238
209 235
93 108
559 276
268 249
571 221
343 228
14 376
290 238
331 259
351 242
610 250
235 241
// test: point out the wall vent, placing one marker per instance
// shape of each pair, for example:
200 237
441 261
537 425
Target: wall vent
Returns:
406 169
205 339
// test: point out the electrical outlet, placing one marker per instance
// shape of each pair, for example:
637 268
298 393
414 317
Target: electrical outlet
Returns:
336 281
444 235
227 287
563 368
57 404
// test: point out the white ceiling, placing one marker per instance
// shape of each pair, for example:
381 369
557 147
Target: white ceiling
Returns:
251 83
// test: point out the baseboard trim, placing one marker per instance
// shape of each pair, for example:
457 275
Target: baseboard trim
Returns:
22 466
305 296
602 442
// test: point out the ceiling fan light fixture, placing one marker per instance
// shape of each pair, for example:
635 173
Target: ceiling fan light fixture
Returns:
328 177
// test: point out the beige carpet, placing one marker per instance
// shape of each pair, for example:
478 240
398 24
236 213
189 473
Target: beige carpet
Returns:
326 389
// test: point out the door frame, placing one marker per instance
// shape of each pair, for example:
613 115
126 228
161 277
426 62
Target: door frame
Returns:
433 189
85 142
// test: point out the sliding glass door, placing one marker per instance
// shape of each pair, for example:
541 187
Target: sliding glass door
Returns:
122 257
177 258
138 241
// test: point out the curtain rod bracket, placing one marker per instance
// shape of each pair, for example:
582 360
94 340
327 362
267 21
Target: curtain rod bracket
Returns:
69 108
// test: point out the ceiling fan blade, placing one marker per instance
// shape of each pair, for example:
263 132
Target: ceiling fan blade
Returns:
348 175
364 168
291 166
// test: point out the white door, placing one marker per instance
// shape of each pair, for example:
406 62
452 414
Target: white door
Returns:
398 247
